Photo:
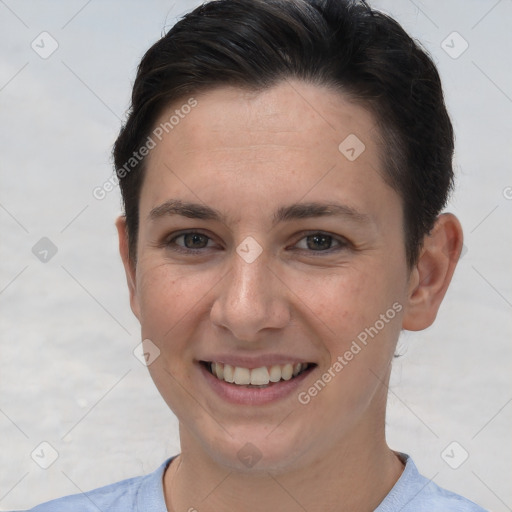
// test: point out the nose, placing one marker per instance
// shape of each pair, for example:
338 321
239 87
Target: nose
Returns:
251 299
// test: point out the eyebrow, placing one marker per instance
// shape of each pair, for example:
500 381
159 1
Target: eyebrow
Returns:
284 213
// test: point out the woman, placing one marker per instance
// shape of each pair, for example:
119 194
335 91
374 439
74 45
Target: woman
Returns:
283 170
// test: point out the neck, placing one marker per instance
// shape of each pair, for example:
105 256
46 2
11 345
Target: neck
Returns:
355 474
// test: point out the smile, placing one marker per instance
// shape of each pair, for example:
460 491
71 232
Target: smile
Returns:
261 377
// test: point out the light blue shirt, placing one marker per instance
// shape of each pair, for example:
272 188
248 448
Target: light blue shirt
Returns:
411 493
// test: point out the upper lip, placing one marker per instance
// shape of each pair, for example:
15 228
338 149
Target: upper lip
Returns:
254 361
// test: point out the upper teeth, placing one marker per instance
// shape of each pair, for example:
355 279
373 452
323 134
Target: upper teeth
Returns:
256 376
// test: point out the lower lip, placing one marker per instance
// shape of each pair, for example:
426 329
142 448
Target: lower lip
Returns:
253 396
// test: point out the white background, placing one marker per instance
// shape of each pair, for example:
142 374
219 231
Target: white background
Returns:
67 372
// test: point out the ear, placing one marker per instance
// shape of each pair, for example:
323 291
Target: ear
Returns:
432 274
129 265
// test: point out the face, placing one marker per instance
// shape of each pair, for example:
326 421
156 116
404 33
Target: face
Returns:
290 251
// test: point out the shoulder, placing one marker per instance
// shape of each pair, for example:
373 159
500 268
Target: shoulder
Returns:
144 493
118 496
415 493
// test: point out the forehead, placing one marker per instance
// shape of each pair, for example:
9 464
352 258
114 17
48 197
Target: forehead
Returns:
291 113
292 139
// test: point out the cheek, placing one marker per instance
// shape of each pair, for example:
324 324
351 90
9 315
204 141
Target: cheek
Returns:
167 295
347 300
354 314
360 314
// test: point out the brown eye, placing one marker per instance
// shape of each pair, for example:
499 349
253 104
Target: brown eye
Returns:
321 242
192 241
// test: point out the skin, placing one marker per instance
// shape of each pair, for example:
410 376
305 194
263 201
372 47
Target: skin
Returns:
247 154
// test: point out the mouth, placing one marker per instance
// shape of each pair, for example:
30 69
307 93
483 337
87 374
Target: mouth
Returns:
257 378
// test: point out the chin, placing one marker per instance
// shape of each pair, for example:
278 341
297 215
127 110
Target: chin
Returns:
252 451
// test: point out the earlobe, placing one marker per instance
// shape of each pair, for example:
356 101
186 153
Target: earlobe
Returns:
129 265
433 272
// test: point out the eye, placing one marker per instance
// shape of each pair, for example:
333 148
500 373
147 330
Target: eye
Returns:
196 242
192 242
321 242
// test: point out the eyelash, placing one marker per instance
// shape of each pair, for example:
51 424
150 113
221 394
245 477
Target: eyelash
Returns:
342 243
